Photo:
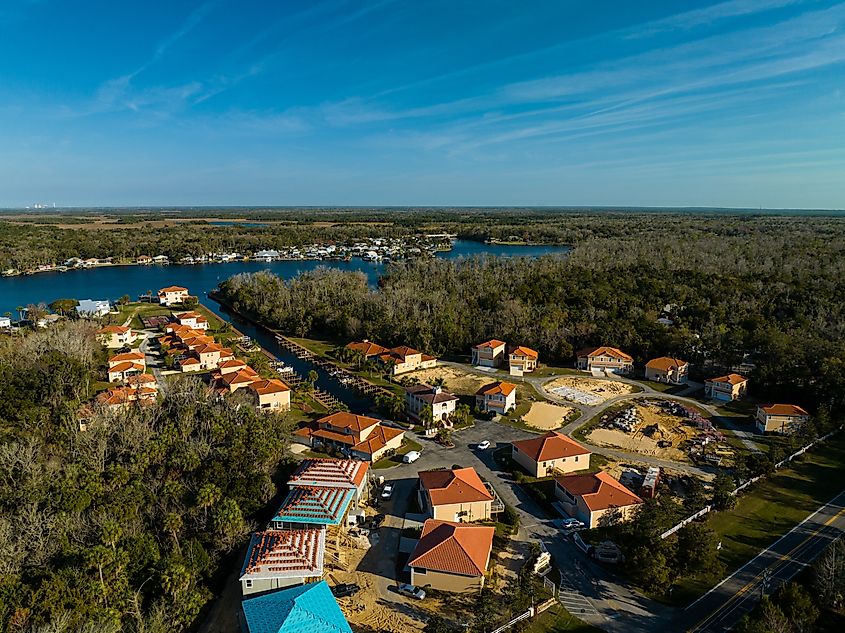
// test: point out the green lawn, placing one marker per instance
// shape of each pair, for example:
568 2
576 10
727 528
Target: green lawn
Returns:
770 509
551 371
317 346
661 386
557 619
394 460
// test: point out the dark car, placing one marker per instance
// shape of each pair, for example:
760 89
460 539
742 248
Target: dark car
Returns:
345 589
376 521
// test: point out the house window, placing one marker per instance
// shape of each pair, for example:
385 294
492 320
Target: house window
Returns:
248 582
419 571
576 458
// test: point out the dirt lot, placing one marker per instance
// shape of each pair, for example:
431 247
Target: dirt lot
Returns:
458 382
596 389
546 416
669 427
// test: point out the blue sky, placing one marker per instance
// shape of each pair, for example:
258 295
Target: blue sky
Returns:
733 103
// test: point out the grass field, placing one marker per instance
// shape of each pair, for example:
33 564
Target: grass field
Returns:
558 620
770 509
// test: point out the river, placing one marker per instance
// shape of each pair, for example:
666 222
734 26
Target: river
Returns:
111 282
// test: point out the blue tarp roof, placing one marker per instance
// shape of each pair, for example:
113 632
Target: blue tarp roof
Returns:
305 609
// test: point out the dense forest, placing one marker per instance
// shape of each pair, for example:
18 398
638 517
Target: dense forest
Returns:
121 527
769 293
48 238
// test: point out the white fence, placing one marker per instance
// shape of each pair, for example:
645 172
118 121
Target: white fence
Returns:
518 618
750 482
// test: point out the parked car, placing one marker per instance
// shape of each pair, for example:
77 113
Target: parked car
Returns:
411 591
570 524
345 589
410 457
483 446
376 521
387 492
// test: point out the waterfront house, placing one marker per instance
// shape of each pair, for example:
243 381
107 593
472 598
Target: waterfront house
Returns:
522 360
193 320
402 359
357 436
367 349
270 395
310 607
780 418
726 388
5 323
161 259
452 556
231 381
172 295
419 396
454 495
672 371
489 353
116 336
496 397
550 453
144 260
591 496
282 558
122 366
605 359
93 308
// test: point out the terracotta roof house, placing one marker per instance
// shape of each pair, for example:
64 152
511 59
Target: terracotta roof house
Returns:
780 418
193 320
455 495
232 381
122 366
673 371
451 556
726 388
282 558
522 360
402 359
304 609
116 336
418 396
309 506
496 397
172 295
553 452
230 365
367 348
591 496
354 435
604 359
489 353
350 474
270 395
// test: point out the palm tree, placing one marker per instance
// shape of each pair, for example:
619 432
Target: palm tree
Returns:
312 378
427 416
20 313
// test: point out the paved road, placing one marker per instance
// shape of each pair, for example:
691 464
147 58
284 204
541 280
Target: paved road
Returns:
589 592
723 606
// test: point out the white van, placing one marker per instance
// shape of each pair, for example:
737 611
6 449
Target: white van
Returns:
410 457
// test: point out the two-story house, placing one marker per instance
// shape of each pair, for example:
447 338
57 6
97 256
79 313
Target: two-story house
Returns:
192 319
726 388
780 418
122 366
489 353
270 395
419 396
116 336
553 452
455 495
591 496
605 359
523 360
672 371
402 359
172 295
496 397
452 556
357 436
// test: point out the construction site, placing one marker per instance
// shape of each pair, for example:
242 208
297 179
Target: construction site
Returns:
588 391
664 429
460 383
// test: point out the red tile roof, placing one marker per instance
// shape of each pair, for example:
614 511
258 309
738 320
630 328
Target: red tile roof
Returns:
338 473
525 351
606 351
130 356
599 490
265 387
125 366
665 363
285 553
453 548
491 344
461 485
367 348
498 387
346 420
113 329
172 289
783 409
377 440
551 446
731 379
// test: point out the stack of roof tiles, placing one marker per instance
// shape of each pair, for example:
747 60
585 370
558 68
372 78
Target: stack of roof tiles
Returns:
285 554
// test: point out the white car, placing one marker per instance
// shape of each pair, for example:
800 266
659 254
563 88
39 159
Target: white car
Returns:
387 492
411 591
483 446
410 457
571 524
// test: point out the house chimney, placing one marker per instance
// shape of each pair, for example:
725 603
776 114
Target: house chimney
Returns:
437 390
